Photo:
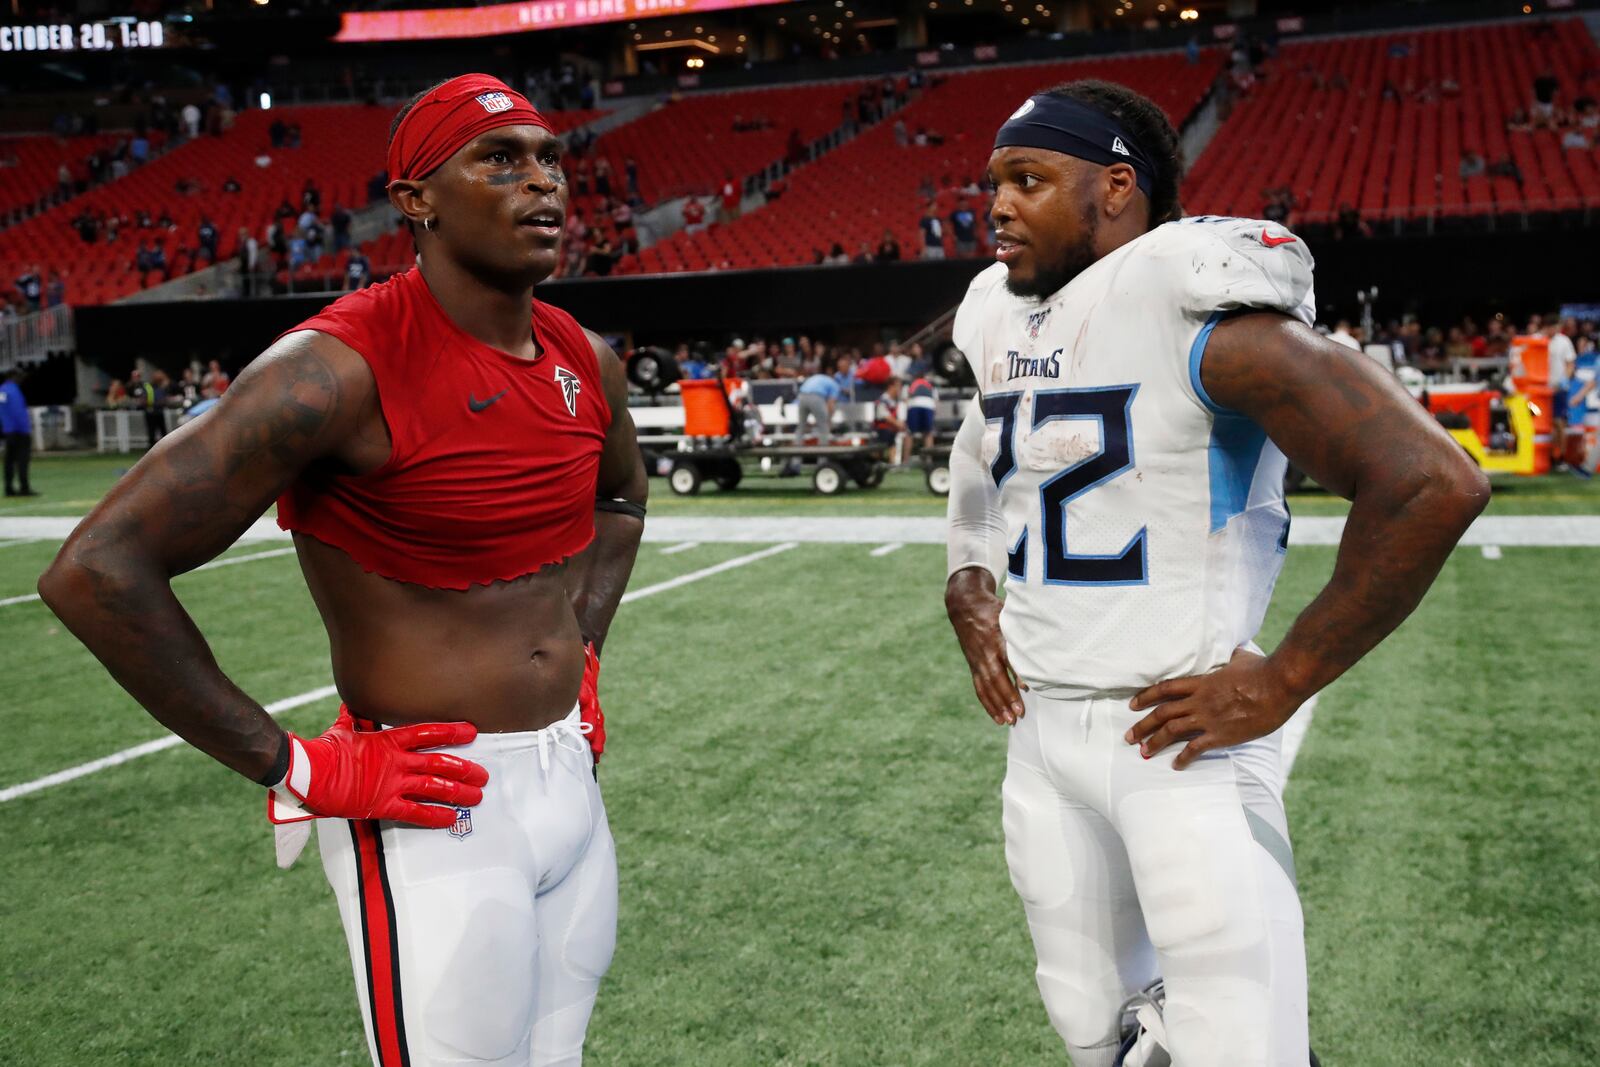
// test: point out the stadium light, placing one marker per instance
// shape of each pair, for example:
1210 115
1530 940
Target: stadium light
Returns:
1188 14
266 101
1024 20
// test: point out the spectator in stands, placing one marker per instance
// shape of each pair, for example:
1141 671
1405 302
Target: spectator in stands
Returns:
207 237
186 394
964 225
144 262
932 228
731 197
16 424
1542 112
630 177
1279 205
1349 224
215 381
139 149
836 257
112 225
776 188
117 395
147 397
30 286
339 222
310 228
292 138
1472 164
1574 137
299 251
1586 115
357 271
581 175
63 181
277 133
863 254
1341 335
1519 122
886 421
694 215
602 256
1506 167
794 152
602 177
901 138
888 248
622 215
815 403
231 185
577 229
1456 345
249 262
55 293
786 363
191 121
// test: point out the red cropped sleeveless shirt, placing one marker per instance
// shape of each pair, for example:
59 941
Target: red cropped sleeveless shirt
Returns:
494 460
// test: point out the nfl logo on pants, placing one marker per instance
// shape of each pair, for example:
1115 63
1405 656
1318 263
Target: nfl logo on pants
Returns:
463 824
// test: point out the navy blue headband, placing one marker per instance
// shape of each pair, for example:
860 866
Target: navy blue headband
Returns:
1076 129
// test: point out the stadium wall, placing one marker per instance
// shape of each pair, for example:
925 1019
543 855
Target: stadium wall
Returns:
1515 271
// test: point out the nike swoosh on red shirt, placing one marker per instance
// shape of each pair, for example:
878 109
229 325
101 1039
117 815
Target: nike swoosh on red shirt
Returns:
1274 242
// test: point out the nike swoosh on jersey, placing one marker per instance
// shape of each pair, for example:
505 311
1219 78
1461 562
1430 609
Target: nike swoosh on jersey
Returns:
1274 242
478 405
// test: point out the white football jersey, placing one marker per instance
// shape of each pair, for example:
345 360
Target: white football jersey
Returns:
1145 525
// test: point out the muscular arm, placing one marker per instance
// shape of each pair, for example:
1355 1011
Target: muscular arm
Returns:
1345 421
597 577
975 558
186 501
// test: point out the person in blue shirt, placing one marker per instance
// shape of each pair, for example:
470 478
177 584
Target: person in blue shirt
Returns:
819 395
17 426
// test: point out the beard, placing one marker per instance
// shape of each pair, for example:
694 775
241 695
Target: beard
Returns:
1074 260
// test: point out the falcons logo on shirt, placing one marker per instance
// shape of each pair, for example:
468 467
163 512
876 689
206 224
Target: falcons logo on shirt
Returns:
570 387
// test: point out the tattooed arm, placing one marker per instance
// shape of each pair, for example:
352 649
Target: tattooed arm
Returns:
307 398
1345 421
597 577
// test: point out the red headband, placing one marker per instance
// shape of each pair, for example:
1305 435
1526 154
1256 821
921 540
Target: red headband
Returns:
452 115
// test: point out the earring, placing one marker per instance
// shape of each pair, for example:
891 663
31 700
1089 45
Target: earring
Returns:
427 224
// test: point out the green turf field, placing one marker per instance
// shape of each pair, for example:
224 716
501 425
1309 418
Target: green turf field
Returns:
806 803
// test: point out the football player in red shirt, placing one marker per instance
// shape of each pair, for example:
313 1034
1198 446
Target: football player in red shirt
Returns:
458 466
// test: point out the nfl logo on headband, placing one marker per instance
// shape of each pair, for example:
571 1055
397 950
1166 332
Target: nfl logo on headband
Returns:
494 103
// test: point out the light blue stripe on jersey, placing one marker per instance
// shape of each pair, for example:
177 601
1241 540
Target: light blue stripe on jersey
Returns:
1236 441
1198 350
1235 452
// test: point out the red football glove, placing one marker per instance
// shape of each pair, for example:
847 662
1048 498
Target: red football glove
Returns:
589 701
380 774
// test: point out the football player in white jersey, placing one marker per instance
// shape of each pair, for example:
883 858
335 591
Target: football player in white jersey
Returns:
1141 378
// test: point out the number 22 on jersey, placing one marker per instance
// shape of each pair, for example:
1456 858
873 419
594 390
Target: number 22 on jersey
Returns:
1110 407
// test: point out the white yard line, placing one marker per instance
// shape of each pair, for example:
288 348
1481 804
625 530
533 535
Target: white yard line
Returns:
213 565
20 541
160 743
884 550
310 696
683 546
706 572
1294 734
1491 552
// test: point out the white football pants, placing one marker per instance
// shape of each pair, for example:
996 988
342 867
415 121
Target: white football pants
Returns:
484 943
1129 870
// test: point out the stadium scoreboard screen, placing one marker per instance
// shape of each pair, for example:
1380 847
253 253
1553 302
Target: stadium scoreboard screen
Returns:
437 23
82 36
